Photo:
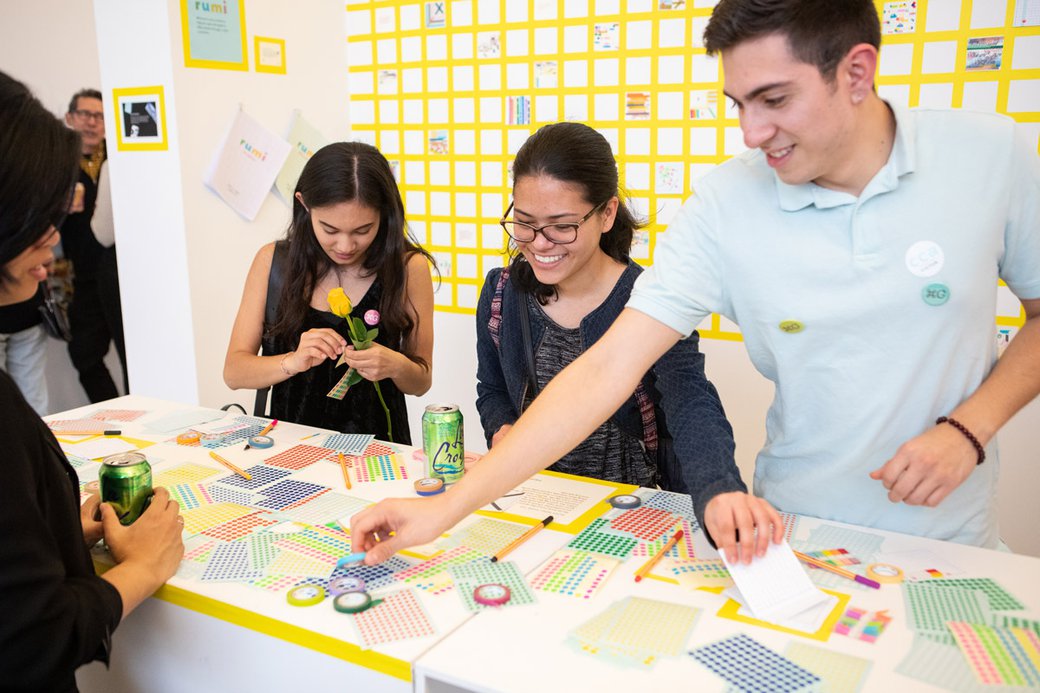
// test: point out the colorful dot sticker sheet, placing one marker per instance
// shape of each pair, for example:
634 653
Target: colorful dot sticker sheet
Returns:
999 598
432 575
261 549
118 414
683 549
695 573
637 631
349 443
594 539
375 576
835 557
318 543
261 476
573 573
999 656
648 524
841 673
400 616
230 562
226 494
378 468
751 666
182 474
277 583
189 495
326 508
292 563
240 526
378 448
940 665
298 457
929 608
198 520
486 535
469 576
288 492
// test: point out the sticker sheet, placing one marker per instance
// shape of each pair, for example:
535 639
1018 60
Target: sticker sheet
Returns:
378 468
469 576
486 535
349 443
637 631
999 656
648 524
400 616
840 673
299 457
433 575
594 539
750 666
574 573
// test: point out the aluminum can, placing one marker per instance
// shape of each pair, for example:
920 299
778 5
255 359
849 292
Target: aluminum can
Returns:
126 484
442 442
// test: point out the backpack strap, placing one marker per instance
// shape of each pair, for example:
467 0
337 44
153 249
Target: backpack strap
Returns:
275 281
495 321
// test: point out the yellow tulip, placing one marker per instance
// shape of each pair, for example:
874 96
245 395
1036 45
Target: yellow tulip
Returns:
339 304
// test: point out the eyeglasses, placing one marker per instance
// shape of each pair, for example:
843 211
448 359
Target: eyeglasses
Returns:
97 116
560 233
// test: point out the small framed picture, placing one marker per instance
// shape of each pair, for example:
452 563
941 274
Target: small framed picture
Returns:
140 119
269 54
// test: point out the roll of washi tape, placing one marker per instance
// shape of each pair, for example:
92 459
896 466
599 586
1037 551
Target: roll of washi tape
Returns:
188 438
211 440
305 595
352 602
261 442
625 501
429 486
491 594
345 583
885 572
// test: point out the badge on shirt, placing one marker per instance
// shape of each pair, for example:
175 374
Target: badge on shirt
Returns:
925 259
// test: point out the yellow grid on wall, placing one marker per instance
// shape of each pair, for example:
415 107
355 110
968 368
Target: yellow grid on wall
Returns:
449 91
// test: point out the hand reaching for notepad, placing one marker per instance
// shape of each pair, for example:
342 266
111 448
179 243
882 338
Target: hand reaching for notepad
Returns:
742 525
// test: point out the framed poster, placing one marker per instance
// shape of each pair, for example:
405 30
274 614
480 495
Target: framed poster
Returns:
269 54
214 33
140 121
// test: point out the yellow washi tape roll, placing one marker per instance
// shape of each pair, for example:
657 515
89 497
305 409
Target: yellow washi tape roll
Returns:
189 438
885 572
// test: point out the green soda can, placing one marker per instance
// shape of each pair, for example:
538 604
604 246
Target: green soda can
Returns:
126 484
442 442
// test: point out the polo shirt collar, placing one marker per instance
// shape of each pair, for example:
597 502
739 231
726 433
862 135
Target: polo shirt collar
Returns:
901 161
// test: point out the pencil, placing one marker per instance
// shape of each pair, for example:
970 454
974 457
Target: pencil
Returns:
264 432
649 565
521 539
838 571
98 432
346 472
242 473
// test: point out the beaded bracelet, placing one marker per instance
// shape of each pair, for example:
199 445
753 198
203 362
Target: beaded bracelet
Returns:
967 434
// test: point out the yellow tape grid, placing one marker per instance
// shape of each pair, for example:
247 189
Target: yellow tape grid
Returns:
454 199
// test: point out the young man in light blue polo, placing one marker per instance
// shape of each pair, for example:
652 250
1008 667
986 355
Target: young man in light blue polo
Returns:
858 246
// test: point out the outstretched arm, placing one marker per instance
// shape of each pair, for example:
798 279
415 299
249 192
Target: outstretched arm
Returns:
576 401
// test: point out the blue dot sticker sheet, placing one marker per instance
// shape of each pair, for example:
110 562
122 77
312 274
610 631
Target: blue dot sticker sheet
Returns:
288 492
348 443
261 476
751 666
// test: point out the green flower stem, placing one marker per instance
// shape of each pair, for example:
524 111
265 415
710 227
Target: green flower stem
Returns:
379 392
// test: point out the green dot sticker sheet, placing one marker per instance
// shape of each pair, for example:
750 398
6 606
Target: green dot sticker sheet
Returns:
637 631
929 608
594 539
469 576
999 598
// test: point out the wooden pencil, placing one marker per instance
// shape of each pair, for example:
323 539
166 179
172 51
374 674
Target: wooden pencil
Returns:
649 565
241 472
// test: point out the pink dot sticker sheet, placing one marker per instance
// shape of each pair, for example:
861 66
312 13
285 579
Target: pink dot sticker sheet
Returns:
299 456
400 616
999 656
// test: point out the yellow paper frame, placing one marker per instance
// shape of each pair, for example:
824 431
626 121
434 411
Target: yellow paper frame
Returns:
124 145
215 64
275 70
731 608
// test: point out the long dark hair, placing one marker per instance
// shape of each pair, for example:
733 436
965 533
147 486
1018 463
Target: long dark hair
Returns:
573 153
819 32
38 169
347 172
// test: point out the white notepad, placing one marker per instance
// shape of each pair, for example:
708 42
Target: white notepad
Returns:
775 587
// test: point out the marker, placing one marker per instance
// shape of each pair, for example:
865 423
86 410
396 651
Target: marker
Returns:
521 539
838 571
242 473
87 433
346 473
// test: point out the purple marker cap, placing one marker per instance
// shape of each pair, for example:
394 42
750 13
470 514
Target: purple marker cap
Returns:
868 582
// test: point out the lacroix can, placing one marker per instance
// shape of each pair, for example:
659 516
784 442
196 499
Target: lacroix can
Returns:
443 443
125 482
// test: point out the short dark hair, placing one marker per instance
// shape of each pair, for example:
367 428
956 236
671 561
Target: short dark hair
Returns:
819 32
83 94
39 164
574 153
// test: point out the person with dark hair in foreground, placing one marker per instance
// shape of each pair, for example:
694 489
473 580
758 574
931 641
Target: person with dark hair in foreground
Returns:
57 614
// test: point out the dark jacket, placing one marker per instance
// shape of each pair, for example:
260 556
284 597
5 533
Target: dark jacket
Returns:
695 438
56 613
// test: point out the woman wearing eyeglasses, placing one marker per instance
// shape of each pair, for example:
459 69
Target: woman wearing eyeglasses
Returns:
569 277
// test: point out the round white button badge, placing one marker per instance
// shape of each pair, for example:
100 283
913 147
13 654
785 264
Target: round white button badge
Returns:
925 259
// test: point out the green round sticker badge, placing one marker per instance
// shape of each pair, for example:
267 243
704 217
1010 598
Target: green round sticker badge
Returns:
935 294
791 326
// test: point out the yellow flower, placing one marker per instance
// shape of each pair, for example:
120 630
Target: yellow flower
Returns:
339 304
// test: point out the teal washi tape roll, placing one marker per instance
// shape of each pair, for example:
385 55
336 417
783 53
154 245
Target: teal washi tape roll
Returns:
261 442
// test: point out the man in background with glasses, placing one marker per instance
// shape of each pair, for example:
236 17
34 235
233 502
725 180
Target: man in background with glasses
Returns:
88 241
